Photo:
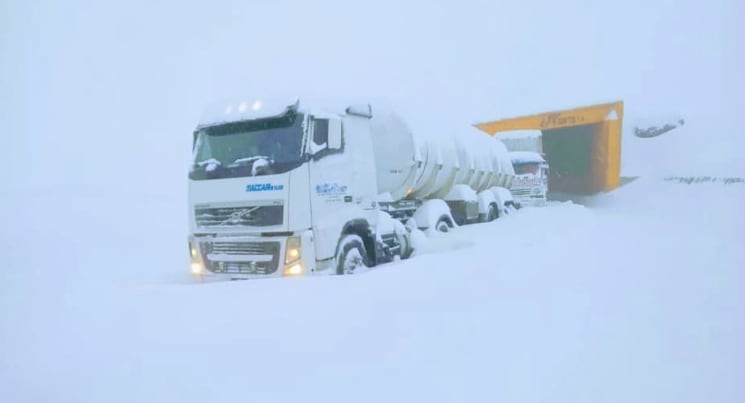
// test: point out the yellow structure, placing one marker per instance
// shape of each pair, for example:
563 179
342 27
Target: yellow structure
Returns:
582 145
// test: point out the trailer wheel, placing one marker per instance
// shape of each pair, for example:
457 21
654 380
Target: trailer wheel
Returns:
442 225
509 207
493 213
352 255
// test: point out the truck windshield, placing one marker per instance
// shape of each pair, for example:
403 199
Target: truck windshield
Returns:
253 148
526 168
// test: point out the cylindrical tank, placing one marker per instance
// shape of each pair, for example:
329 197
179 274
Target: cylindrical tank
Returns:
438 180
398 156
427 180
466 162
428 161
491 167
487 157
503 164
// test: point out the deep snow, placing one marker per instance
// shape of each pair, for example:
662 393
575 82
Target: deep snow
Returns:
640 298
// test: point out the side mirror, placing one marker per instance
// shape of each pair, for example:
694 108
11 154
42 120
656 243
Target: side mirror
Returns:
334 139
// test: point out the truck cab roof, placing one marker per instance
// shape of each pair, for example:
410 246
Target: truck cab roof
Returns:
526 157
230 111
237 110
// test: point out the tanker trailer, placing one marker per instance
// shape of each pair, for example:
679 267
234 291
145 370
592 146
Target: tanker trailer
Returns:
292 188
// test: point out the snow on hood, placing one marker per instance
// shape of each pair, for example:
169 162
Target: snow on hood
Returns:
518 157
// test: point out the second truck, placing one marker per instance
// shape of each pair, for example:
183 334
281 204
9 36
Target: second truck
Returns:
291 188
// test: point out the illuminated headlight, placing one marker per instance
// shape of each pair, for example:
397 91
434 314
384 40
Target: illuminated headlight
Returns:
294 270
292 251
293 265
194 251
196 268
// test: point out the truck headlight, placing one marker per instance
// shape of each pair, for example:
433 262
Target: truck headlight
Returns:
294 270
292 250
293 265
196 268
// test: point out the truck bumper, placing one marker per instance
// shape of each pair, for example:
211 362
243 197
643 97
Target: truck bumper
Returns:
233 257
531 201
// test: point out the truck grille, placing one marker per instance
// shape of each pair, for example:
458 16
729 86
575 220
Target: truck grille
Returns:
254 216
241 257
521 192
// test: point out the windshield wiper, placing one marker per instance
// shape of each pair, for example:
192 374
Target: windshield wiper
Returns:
246 160
260 164
209 165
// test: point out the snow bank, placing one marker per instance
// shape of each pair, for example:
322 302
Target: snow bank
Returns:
688 150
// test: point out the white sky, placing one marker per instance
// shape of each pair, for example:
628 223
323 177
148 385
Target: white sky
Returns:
109 93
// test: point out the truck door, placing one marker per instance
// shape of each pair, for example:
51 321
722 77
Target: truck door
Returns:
331 182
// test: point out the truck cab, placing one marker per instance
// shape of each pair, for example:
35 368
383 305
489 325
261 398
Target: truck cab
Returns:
273 188
530 186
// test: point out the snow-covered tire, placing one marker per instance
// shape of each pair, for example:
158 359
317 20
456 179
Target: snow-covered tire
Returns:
351 256
407 248
493 213
509 208
442 225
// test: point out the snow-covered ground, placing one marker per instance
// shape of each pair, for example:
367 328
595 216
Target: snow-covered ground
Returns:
638 298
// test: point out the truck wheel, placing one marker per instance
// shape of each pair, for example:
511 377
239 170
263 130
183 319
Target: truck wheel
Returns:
442 225
351 256
405 241
493 213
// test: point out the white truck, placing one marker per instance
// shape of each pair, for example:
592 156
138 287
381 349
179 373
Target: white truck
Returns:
530 186
292 189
